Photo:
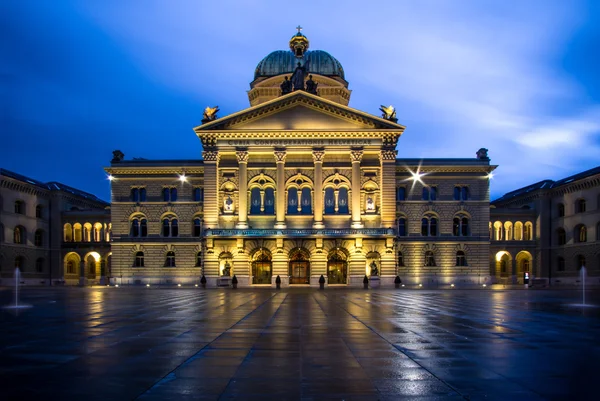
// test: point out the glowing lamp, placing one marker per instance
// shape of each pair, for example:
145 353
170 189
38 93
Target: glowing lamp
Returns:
182 177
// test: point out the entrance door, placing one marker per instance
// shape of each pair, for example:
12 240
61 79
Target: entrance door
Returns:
299 272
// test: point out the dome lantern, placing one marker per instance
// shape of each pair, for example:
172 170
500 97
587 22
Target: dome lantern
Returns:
299 43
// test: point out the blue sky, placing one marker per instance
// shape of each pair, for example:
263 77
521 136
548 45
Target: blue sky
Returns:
79 79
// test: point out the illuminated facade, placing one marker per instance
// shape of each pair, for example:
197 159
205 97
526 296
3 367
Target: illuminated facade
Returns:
550 229
299 186
33 219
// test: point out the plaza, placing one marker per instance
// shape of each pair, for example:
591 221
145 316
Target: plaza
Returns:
188 343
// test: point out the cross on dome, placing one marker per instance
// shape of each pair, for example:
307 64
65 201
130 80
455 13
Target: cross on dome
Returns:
299 28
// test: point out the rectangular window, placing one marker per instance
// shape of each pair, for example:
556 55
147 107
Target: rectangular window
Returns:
198 194
400 194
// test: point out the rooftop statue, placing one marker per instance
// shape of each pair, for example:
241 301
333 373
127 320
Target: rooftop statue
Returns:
286 86
210 114
311 86
389 113
299 75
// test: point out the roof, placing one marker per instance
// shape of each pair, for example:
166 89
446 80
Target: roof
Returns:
52 186
548 184
285 62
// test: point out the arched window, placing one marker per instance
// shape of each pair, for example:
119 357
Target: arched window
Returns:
561 210
343 201
197 227
170 227
400 194
139 259
429 259
498 231
269 201
460 226
402 228
293 204
261 267
19 235
77 232
329 201
528 231
305 199
560 264
337 267
87 232
526 265
400 259
255 201
38 211
38 238
199 259
142 194
170 259
429 225
70 267
139 226
461 259
580 234
68 232
19 263
561 235
580 262
97 232
580 206
108 232
19 207
135 195
508 231
518 232
39 265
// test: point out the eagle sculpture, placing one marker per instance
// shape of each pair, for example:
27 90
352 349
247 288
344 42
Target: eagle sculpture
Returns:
210 113
389 113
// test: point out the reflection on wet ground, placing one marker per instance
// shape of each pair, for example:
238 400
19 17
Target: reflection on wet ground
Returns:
180 344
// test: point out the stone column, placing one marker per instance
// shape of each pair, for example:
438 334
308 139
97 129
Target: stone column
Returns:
211 190
387 187
82 278
356 156
242 157
280 203
318 155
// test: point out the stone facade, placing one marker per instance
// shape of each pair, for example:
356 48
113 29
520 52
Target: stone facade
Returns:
32 215
564 217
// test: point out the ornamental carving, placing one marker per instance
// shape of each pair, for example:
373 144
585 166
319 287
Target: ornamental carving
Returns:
318 155
356 155
211 156
242 156
280 156
388 154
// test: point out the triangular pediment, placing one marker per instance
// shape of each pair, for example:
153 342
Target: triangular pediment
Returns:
300 111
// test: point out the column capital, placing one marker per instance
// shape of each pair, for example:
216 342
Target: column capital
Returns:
388 154
280 155
211 156
356 155
242 156
318 155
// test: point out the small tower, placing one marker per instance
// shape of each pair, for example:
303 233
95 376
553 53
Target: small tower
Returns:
299 43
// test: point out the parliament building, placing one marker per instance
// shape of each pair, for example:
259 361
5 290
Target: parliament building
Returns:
297 186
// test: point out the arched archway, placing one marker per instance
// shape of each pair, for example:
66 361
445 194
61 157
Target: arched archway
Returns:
299 266
262 266
71 263
503 264
92 265
524 263
337 267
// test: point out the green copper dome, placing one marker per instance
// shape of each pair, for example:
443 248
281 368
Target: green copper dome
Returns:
285 62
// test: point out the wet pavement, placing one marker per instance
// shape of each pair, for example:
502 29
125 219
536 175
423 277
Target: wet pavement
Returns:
298 344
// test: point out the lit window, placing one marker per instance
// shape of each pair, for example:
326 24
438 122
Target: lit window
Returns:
19 235
581 233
